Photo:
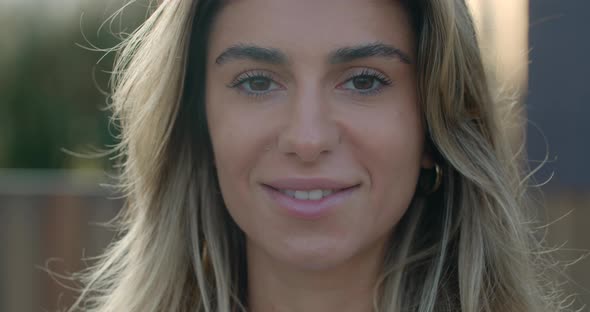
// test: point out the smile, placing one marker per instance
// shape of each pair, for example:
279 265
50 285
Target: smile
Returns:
307 195
309 204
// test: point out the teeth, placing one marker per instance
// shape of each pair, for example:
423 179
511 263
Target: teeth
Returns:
302 195
307 195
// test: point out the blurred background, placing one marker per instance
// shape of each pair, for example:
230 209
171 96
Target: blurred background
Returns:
52 107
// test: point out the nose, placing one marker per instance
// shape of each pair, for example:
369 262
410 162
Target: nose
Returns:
309 131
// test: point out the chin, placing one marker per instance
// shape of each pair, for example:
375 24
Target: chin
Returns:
315 254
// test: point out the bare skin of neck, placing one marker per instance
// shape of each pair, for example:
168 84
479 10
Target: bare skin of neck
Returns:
277 287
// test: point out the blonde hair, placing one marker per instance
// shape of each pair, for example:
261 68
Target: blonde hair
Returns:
468 247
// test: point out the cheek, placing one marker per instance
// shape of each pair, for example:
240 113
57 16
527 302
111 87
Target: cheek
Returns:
233 157
394 174
226 128
239 136
391 148
234 150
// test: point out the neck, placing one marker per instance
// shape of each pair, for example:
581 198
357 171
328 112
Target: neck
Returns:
278 287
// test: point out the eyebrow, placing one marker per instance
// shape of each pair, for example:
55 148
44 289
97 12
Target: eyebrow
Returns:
348 54
341 55
252 52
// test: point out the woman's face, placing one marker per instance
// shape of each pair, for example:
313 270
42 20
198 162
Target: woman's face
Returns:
315 124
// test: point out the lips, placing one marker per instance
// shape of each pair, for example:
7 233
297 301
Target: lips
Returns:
309 208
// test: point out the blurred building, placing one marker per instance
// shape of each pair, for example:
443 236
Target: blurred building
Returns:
558 109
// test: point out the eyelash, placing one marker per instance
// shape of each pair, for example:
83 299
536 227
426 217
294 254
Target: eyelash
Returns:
243 77
366 72
369 73
248 76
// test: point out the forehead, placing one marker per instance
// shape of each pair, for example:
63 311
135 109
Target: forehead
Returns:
311 27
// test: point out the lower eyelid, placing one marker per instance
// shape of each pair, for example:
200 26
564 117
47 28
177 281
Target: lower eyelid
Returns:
370 92
374 92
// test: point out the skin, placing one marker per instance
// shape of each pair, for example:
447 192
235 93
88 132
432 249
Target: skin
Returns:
308 119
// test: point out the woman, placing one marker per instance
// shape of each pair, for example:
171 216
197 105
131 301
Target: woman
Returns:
334 155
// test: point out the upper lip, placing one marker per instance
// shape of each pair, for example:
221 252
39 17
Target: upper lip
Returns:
306 184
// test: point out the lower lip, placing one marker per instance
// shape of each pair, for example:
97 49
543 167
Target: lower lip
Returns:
309 209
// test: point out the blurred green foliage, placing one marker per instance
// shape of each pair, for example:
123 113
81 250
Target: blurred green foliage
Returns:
50 90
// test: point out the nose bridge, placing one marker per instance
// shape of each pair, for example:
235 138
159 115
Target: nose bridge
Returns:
307 112
309 131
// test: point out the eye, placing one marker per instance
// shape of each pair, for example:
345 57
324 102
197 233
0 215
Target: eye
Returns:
365 82
255 83
258 84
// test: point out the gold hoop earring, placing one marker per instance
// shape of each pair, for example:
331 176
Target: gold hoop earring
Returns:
437 179
427 187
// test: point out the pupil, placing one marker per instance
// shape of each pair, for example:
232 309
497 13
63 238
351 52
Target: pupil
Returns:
363 83
259 84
